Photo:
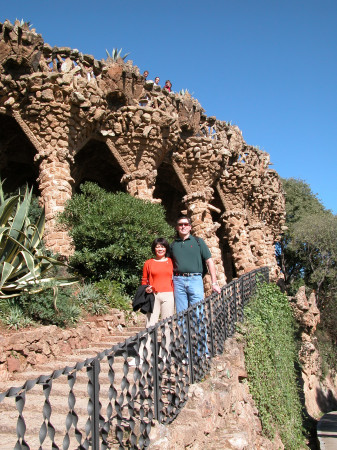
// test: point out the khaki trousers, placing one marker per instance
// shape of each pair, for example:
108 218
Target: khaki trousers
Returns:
163 307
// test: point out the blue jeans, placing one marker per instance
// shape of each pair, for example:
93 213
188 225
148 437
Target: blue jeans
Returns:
187 292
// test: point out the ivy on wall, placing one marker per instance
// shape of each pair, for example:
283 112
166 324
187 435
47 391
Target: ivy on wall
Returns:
271 355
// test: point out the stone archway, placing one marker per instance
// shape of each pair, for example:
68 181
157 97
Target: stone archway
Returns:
226 255
95 162
116 130
17 154
170 191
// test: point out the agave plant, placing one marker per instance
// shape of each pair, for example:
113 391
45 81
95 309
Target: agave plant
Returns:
184 92
116 54
24 265
23 22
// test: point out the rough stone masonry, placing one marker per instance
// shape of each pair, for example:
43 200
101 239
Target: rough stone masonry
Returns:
67 118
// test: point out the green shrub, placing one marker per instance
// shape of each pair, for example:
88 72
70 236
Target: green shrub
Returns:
271 354
114 295
48 309
99 297
16 319
91 300
87 294
112 234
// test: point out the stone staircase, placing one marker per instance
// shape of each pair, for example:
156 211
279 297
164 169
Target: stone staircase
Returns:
64 405
219 413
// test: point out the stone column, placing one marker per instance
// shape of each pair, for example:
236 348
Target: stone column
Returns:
203 226
141 184
235 222
55 184
262 244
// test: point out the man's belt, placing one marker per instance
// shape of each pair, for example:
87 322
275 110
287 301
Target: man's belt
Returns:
186 274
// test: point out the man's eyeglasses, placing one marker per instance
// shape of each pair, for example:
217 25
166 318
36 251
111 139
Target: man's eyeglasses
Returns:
184 224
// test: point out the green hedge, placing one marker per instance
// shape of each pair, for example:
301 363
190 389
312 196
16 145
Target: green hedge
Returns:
271 355
112 234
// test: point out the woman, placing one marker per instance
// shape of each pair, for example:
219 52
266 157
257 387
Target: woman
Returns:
157 275
168 85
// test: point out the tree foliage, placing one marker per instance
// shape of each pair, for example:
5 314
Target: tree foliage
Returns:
307 252
314 240
112 234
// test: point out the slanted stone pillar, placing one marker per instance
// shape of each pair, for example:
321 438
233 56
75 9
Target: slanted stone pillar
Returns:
141 184
235 222
55 184
262 246
197 204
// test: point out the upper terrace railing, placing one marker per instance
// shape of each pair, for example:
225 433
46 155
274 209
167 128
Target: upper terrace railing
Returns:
121 402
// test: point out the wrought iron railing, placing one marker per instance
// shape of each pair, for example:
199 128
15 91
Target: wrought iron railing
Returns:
121 402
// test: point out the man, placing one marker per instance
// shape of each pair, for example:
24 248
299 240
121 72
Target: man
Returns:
188 253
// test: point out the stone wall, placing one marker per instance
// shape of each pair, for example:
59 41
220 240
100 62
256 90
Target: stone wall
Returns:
220 412
32 347
101 121
320 390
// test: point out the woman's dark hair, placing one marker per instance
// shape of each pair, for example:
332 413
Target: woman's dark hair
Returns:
161 241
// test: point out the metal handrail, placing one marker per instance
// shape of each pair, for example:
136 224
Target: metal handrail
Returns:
121 410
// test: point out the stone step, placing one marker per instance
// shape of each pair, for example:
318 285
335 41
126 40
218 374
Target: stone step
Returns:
94 349
58 401
33 426
125 332
70 361
35 399
19 379
9 436
81 375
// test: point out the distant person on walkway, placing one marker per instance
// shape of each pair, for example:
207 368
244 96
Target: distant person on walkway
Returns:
145 74
156 81
157 275
168 85
188 253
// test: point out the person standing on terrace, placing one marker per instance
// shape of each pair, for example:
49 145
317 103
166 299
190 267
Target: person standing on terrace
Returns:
188 254
168 85
157 276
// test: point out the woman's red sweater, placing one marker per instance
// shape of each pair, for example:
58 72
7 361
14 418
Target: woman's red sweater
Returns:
158 274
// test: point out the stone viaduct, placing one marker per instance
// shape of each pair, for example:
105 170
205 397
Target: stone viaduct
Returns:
66 118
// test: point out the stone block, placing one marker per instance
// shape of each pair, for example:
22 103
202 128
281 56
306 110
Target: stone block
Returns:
13 364
47 95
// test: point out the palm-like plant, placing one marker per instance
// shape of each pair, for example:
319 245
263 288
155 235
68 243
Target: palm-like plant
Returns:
24 265
116 54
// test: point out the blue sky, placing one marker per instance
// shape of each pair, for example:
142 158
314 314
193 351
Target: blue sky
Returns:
268 66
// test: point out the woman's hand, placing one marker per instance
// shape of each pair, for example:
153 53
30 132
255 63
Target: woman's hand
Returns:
148 289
